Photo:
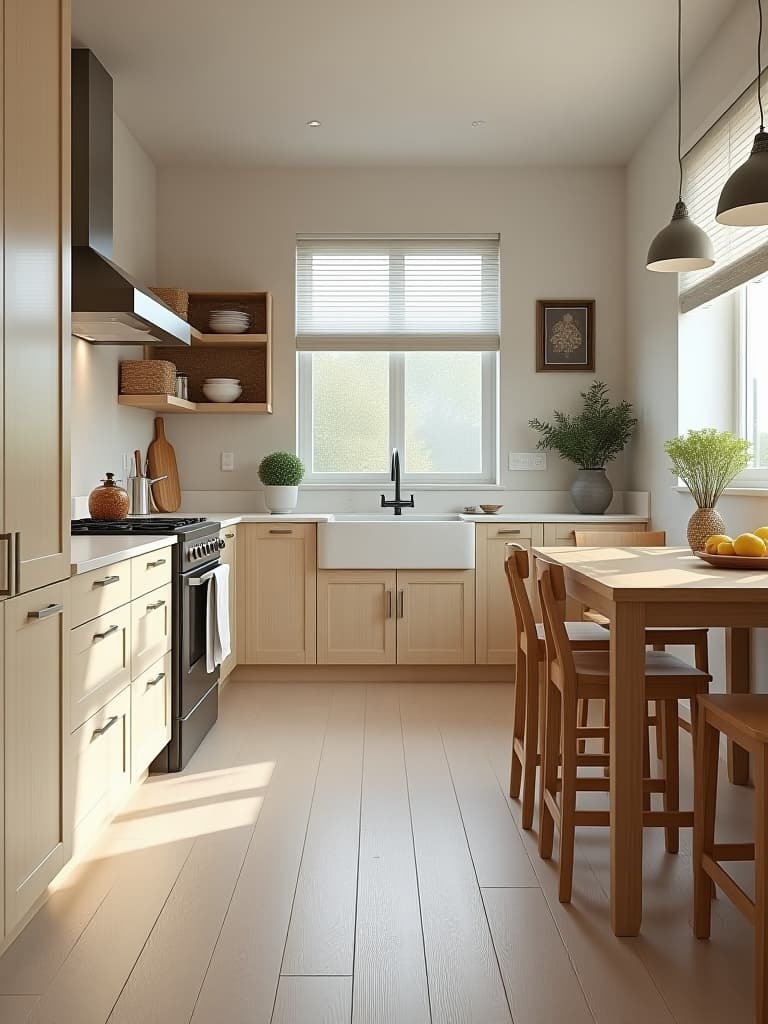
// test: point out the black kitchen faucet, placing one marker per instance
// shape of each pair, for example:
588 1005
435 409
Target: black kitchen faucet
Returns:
399 503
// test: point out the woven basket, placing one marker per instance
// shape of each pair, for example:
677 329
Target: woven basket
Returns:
176 298
147 377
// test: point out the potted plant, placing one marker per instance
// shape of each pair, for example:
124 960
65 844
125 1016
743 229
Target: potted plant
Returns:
707 461
590 439
281 473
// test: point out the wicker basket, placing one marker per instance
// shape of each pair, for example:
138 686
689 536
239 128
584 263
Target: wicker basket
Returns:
176 298
147 377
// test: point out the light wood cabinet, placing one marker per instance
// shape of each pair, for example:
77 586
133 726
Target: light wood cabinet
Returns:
495 621
36 662
280 594
150 571
100 660
228 537
435 617
99 591
356 617
150 629
150 714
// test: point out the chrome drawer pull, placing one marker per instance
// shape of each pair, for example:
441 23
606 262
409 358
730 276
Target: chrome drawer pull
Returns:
155 606
107 581
156 680
154 565
508 533
281 531
105 728
229 536
107 632
47 612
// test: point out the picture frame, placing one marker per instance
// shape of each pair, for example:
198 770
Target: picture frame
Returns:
565 336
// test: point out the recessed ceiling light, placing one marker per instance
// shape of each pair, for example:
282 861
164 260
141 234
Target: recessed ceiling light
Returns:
479 124
313 124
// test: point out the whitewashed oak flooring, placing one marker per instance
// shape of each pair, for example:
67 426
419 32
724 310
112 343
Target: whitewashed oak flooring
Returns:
349 854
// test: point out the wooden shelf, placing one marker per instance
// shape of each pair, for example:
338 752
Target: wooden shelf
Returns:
230 340
171 404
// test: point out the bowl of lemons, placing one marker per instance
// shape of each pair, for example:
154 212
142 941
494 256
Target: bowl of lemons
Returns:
747 551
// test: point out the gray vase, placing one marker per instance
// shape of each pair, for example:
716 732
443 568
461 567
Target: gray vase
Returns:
591 492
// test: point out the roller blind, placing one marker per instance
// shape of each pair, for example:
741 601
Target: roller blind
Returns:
397 293
740 253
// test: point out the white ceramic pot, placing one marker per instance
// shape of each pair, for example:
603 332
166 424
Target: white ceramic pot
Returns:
280 499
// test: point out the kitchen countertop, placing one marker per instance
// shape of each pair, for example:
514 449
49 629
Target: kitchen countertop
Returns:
552 517
96 552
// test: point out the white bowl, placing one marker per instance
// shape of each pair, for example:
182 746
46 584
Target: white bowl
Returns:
222 380
222 392
219 327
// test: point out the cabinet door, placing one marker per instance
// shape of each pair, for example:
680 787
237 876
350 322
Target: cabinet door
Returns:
150 714
356 617
150 629
495 618
435 617
36 289
36 704
280 594
228 536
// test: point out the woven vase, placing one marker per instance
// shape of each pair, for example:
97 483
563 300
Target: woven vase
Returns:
703 524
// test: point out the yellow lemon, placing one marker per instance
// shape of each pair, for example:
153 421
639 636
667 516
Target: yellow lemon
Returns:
749 544
762 533
725 548
718 538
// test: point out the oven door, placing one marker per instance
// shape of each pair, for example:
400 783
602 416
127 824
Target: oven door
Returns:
194 679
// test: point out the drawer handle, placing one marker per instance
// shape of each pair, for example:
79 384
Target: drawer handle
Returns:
400 604
106 633
388 614
281 531
47 612
508 533
105 728
154 565
153 607
107 581
229 536
158 678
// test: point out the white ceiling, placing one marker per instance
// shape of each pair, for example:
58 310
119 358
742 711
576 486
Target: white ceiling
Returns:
235 81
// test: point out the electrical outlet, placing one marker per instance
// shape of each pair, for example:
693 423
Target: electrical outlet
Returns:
527 461
227 462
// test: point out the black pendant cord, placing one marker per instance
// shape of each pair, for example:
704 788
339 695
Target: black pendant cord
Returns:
680 96
760 62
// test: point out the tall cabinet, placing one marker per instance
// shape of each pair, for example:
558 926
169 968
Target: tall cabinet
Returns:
34 441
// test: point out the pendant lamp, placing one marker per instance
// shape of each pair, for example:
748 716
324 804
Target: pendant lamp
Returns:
744 199
681 245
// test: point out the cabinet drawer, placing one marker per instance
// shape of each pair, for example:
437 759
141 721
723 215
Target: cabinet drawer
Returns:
100 656
150 629
100 591
150 714
562 534
148 572
509 532
101 767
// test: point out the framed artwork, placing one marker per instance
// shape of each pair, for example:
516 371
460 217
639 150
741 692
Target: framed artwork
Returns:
565 336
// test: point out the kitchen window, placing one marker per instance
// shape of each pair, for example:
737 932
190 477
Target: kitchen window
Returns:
398 348
752 301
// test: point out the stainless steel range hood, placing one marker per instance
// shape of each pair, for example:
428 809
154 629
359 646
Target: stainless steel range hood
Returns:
108 306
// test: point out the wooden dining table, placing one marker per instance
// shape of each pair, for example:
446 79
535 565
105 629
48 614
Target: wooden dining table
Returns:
636 588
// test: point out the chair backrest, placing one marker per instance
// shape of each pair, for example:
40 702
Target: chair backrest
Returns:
551 585
620 539
517 568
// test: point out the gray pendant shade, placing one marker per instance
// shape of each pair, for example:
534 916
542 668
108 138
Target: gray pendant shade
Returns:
744 199
680 246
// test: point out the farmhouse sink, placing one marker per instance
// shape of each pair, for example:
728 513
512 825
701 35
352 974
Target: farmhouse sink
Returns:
376 541
390 517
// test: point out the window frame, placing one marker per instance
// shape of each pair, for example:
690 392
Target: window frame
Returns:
489 475
754 477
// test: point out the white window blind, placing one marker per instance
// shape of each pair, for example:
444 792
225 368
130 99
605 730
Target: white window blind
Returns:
740 253
391 294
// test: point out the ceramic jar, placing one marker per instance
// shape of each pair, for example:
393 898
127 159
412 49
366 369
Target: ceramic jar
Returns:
110 501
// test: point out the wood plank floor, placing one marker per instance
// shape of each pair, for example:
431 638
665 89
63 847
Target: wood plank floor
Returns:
350 854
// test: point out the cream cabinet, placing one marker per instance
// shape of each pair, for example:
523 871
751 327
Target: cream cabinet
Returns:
150 629
435 617
36 708
494 615
150 714
228 537
279 615
100 662
356 622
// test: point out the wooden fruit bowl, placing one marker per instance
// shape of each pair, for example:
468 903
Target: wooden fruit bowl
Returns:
734 561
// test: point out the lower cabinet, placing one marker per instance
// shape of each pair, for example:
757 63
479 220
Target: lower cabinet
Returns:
36 720
385 617
150 714
228 538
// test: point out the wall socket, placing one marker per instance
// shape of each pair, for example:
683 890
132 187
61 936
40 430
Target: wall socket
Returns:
227 462
527 461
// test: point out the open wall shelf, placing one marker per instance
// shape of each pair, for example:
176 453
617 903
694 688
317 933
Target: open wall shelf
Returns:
171 404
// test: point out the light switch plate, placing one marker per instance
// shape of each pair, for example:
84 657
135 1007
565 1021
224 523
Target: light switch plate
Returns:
527 461
227 462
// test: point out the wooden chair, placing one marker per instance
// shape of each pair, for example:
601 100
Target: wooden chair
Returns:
743 718
574 676
530 653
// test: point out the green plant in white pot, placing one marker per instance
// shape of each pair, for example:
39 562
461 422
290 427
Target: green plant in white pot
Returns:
281 473
590 439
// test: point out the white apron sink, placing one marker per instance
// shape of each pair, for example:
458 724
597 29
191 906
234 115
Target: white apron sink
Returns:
378 541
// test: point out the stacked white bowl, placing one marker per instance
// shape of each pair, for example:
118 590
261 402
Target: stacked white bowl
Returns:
229 321
222 389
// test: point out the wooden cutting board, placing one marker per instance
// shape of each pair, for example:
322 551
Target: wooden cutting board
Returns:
162 462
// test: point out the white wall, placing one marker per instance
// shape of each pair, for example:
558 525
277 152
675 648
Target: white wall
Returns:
562 236
101 429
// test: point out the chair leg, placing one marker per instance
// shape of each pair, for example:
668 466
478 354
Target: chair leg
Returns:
659 737
761 887
567 800
549 768
646 766
705 808
531 742
606 742
518 725
671 740
583 721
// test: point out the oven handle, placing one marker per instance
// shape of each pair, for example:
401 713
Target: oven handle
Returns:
198 581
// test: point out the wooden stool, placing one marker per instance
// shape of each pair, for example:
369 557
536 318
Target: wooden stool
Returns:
529 659
572 677
743 718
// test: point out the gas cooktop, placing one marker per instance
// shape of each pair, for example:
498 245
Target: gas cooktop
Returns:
136 524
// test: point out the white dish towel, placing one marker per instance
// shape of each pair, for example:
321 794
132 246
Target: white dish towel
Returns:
217 646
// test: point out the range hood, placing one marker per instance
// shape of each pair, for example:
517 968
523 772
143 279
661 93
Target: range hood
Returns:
108 306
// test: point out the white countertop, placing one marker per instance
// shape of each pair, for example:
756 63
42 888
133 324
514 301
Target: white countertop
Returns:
232 518
552 517
96 552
